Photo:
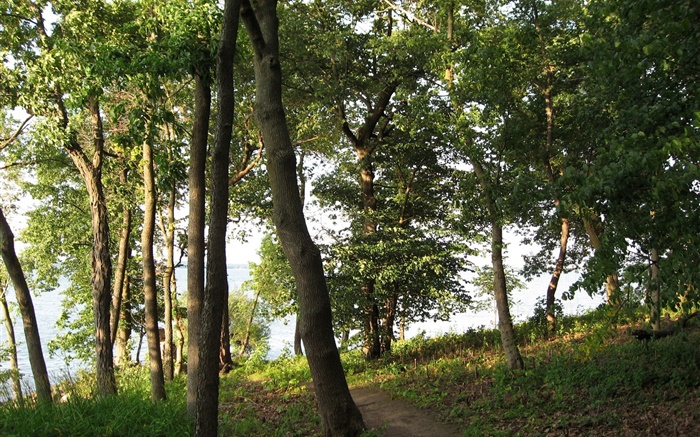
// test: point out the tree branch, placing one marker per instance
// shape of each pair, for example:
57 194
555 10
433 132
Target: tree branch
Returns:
14 136
411 16
253 27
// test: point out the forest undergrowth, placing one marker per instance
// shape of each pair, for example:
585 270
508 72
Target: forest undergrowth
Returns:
592 378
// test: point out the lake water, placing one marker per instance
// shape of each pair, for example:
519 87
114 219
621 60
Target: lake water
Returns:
48 307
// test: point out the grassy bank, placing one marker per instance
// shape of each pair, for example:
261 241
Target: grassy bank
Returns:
594 378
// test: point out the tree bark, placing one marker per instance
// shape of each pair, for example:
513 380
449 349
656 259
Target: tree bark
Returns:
12 345
91 172
339 414
24 299
123 352
251 318
655 291
298 350
122 257
500 291
364 151
556 274
225 358
216 290
195 232
168 279
150 291
505 322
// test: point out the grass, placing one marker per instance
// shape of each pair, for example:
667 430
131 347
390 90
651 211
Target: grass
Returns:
592 378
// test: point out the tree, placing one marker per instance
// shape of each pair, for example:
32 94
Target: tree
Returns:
216 291
195 230
149 274
339 414
24 299
12 343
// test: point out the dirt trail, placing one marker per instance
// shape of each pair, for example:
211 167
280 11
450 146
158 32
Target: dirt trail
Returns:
398 418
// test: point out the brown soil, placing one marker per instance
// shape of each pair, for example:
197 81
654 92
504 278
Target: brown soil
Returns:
397 418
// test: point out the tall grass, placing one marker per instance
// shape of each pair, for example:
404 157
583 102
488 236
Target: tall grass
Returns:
131 413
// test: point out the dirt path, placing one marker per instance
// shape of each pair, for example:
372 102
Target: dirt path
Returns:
398 418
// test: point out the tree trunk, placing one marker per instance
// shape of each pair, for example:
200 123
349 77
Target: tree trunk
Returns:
361 140
611 280
500 291
149 276
12 345
195 232
91 172
225 358
298 350
339 414
655 292
246 337
505 322
168 279
180 367
24 299
122 257
123 353
216 290
556 274
389 320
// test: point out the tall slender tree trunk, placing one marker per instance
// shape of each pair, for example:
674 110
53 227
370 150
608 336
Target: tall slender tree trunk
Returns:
12 344
122 354
195 232
216 289
251 317
372 347
26 307
339 414
556 274
500 290
149 276
505 322
168 279
655 290
122 257
180 344
389 320
91 172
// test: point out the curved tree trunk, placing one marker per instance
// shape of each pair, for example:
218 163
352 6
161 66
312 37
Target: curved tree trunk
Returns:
12 344
216 290
91 172
339 414
149 276
195 233
24 299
